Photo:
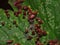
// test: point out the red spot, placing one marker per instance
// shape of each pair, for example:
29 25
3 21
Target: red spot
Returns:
19 6
31 17
21 1
24 13
6 11
17 44
9 41
53 42
16 3
20 11
29 37
33 32
37 26
25 8
2 23
16 14
8 15
39 43
44 33
30 21
35 12
39 20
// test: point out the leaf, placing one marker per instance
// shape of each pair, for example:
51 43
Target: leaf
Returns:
48 11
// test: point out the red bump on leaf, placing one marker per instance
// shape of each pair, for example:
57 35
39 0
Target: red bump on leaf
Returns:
25 8
37 26
35 12
53 41
9 41
33 32
2 23
39 20
30 21
16 14
17 44
19 6
44 33
39 43
8 15
29 37
31 17
21 1
16 3
24 13
6 11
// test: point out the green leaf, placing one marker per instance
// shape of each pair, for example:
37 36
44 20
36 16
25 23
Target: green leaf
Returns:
48 11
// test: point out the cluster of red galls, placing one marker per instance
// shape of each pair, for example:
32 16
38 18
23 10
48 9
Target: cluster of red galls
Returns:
31 17
37 31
